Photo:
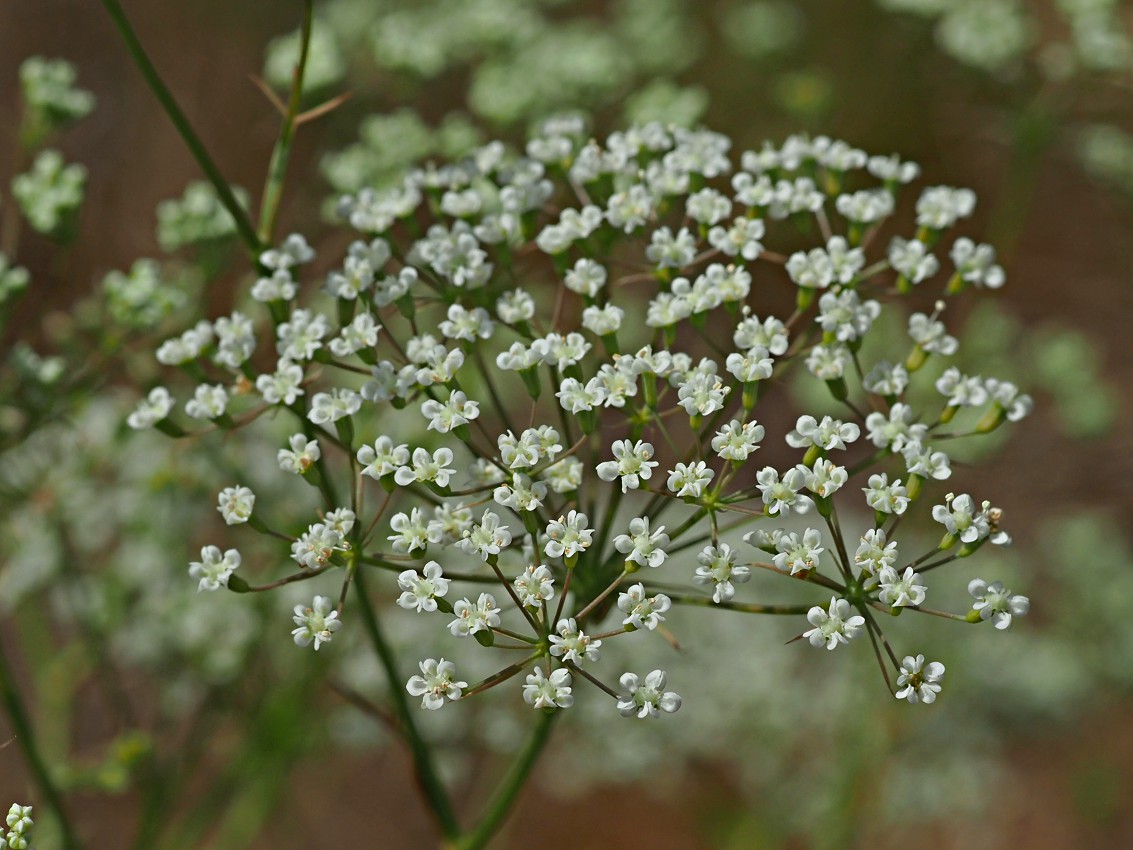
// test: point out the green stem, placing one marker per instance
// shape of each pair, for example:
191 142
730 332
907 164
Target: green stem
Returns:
422 759
25 739
184 128
747 608
507 792
277 169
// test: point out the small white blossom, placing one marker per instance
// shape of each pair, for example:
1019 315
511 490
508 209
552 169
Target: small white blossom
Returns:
487 538
647 699
151 410
833 626
534 585
631 464
641 545
316 623
919 682
472 617
548 693
781 495
643 612
690 479
886 497
420 590
572 644
236 504
213 569
436 683
568 536
718 568
997 603
302 454
900 589
798 553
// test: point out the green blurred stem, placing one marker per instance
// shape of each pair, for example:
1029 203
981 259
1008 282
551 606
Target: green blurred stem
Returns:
277 170
507 792
427 775
192 141
747 608
25 739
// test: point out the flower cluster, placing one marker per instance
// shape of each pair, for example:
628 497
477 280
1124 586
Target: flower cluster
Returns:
541 384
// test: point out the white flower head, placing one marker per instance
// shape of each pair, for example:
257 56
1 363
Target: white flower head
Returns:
436 683
648 698
316 623
833 626
919 682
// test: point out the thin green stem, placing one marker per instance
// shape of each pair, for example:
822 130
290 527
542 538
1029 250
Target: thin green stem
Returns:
25 739
427 775
192 141
508 790
745 607
281 153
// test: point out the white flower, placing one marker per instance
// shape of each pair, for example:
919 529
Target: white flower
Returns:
302 454
827 435
515 306
825 478
885 497
754 365
959 516
961 390
486 539
572 644
939 207
534 585
874 554
718 568
929 333
997 603
299 338
690 479
781 496
601 321
411 531
919 682
472 617
845 316
332 406
586 278
316 546
976 263
576 397
151 410
833 626
736 442
548 693
236 504
631 464
449 523
923 461
702 394
436 683
420 591
886 379
283 386
426 467
208 402
641 545
383 458
667 251
769 334
213 569
648 699
564 476
900 589
361 333
643 612
522 494
895 431
798 554
316 623
568 536
912 259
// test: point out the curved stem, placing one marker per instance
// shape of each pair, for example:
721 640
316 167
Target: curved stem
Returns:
25 739
427 775
277 169
508 790
192 141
